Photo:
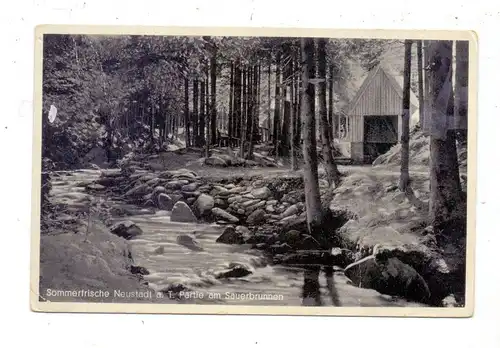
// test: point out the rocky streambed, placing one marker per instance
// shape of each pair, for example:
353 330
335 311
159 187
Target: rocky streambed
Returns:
241 232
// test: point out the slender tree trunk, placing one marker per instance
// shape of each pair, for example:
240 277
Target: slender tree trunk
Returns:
244 114
249 102
332 173
404 179
269 101
298 125
202 113
195 135
152 127
311 293
426 105
186 113
277 101
175 127
109 136
462 89
213 106
165 126
420 69
237 101
331 120
285 132
253 110
446 202
231 108
257 135
207 119
293 112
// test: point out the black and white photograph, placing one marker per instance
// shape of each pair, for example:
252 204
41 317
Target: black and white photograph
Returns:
204 171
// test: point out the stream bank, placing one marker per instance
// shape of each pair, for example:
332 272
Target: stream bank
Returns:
379 240
75 255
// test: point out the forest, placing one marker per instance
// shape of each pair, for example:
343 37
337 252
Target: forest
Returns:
277 98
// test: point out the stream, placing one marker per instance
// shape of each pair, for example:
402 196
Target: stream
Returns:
177 265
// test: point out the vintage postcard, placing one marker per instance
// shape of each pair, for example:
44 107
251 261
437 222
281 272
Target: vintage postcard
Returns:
254 171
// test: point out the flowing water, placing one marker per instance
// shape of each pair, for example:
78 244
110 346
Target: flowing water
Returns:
175 265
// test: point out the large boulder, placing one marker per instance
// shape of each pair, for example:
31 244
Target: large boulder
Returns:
261 193
138 191
440 273
176 184
256 206
126 229
189 242
236 270
164 202
291 210
215 161
232 235
203 205
294 222
391 277
182 213
257 217
224 215
156 191
189 187
153 182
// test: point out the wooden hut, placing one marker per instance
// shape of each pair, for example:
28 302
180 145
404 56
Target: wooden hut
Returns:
371 122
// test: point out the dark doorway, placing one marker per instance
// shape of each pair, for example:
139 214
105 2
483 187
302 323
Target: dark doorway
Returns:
380 134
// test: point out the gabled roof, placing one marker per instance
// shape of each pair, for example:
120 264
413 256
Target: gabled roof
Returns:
396 81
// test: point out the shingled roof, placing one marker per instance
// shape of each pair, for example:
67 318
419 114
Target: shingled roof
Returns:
395 79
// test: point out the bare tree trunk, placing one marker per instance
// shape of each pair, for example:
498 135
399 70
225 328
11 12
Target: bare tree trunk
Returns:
404 179
462 89
186 113
195 114
311 293
231 108
257 107
332 173
420 69
298 125
277 101
213 87
285 131
237 101
249 102
152 126
253 110
165 130
426 106
293 112
331 121
207 119
203 109
244 113
446 203
269 101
